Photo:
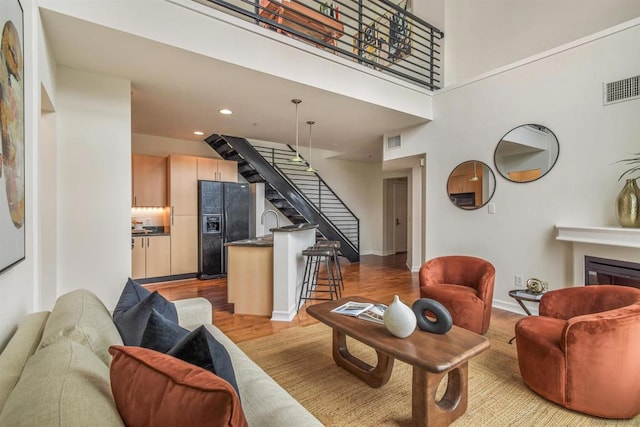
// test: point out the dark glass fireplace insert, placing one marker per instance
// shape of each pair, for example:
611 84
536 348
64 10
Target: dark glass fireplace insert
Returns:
602 271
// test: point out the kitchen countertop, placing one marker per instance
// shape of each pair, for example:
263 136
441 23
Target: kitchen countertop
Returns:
267 240
294 227
261 241
151 231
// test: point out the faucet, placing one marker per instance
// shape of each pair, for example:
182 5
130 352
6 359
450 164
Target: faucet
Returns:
274 213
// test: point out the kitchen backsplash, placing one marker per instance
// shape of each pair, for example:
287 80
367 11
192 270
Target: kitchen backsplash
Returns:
150 217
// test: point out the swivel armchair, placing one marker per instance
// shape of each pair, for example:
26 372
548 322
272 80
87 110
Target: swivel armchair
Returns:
583 350
464 285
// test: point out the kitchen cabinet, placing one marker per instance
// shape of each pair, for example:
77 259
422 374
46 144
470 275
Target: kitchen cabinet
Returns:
183 197
150 256
217 169
184 173
250 289
462 184
525 176
138 259
149 181
184 244
183 185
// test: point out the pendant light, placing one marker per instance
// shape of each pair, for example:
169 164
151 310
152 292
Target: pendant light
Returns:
475 176
310 168
297 157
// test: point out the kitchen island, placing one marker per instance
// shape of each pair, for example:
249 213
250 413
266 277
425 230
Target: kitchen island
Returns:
264 274
250 275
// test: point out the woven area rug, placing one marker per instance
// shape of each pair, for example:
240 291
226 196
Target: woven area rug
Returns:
300 361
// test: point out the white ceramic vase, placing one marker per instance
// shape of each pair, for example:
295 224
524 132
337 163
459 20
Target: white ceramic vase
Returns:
399 319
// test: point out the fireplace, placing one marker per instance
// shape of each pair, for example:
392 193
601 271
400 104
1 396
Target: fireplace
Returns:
602 271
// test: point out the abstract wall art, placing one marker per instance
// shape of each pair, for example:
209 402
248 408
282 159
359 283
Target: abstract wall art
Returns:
12 147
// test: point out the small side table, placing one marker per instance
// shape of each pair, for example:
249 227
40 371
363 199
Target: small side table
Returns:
521 295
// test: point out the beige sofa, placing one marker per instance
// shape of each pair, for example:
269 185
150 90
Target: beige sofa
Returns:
55 369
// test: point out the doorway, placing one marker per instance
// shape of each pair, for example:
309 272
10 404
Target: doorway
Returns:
398 198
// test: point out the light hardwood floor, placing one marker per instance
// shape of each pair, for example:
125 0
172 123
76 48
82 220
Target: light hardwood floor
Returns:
375 277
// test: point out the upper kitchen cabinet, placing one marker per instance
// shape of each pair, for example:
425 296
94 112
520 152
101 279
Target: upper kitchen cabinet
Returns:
217 170
149 181
183 185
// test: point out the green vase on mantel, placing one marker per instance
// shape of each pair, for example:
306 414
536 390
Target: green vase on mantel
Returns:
628 205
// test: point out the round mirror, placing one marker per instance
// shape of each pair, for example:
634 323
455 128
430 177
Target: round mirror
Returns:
526 153
471 185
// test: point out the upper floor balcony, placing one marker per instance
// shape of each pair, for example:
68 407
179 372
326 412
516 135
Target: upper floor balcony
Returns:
186 60
379 34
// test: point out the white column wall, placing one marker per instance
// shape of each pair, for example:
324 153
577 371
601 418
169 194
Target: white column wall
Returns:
415 255
94 183
46 175
48 211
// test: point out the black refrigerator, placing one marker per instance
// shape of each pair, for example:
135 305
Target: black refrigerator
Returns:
223 209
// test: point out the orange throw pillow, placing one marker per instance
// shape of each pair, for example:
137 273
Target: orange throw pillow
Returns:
151 388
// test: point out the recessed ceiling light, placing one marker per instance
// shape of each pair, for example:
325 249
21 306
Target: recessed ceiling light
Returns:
198 132
226 111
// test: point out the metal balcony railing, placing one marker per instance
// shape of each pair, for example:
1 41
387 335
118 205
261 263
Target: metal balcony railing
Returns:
379 34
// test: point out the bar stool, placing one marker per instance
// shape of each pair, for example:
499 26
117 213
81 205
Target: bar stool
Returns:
313 284
335 258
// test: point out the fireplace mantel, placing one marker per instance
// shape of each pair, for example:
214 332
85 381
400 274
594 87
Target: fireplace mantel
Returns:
604 242
612 236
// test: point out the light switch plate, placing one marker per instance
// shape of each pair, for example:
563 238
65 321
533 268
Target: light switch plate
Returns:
492 208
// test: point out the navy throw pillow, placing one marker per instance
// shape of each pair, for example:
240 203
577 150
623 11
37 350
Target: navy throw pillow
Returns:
132 323
200 348
161 334
131 295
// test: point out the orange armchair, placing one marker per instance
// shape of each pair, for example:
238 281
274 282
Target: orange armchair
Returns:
583 350
464 285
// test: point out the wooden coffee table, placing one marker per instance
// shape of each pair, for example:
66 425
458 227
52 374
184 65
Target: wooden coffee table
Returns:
432 357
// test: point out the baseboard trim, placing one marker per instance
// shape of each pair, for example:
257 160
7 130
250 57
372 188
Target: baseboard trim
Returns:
174 277
283 316
513 307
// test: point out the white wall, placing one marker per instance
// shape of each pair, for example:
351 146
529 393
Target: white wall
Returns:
94 183
359 185
482 35
562 91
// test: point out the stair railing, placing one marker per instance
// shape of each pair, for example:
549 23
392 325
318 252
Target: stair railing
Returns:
315 190
262 169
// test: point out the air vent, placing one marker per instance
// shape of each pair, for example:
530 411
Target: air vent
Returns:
394 142
622 90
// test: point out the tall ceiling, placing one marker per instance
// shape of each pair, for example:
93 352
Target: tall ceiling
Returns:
176 92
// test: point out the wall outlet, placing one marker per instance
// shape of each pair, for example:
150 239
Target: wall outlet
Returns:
519 281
